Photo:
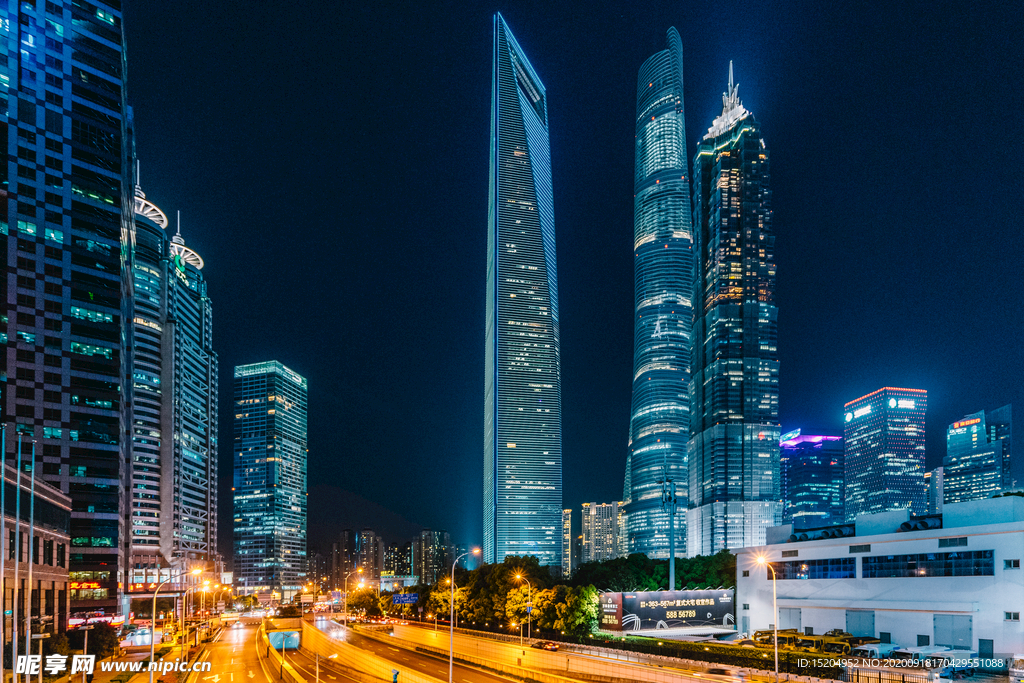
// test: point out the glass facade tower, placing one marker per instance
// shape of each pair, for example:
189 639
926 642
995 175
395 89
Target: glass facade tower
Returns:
522 383
659 425
174 422
734 390
885 445
811 469
977 462
270 479
66 229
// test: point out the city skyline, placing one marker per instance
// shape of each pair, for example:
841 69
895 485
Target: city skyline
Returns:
837 271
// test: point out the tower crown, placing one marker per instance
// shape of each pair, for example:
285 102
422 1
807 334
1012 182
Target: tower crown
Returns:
733 110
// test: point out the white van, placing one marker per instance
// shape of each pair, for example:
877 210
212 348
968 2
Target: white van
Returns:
874 650
920 655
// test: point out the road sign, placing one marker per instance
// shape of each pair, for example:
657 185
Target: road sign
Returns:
529 608
405 598
306 599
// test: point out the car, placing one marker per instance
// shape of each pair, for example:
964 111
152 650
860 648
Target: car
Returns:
545 645
721 674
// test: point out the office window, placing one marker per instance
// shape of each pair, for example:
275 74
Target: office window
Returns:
837 568
953 542
746 572
1011 564
866 548
790 553
923 641
965 563
746 605
885 637
1012 616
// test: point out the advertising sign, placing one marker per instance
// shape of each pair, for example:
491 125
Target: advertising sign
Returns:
667 609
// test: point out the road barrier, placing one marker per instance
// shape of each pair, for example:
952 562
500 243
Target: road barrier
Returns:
329 643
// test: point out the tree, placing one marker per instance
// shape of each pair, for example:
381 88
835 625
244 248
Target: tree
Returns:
103 640
578 615
289 611
58 645
365 601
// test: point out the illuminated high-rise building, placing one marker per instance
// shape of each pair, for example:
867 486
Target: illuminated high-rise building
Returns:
885 445
270 479
66 232
522 382
567 543
977 462
174 422
734 391
659 425
600 531
811 480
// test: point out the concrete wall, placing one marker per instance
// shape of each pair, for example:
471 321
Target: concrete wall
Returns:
315 640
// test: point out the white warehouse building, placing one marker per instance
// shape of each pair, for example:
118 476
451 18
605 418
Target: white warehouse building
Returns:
953 579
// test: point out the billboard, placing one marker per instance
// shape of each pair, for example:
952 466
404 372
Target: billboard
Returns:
643 611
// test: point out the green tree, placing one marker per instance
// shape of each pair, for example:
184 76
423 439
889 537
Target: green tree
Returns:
365 601
103 640
578 615
546 602
57 645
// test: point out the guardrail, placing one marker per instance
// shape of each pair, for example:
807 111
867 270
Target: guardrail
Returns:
373 667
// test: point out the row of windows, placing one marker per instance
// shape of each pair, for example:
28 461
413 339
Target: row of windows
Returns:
965 563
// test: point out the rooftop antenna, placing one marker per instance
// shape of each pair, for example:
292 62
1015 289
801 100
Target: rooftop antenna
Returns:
177 236
730 76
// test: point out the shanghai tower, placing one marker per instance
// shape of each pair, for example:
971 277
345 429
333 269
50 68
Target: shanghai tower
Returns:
663 256
734 392
522 382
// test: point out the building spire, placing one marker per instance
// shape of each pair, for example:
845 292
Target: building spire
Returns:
177 239
732 109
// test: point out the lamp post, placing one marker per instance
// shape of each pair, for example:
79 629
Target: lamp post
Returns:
529 604
152 633
358 570
334 656
85 648
451 620
775 608
40 637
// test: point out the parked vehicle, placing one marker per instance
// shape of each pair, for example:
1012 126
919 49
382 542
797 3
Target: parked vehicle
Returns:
922 656
1017 669
878 650
787 638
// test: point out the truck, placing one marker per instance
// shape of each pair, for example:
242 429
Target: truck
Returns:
1017 669
877 650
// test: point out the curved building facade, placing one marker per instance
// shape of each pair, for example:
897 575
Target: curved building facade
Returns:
663 255
522 382
174 422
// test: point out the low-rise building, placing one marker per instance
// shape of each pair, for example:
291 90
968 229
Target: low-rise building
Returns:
952 580
52 587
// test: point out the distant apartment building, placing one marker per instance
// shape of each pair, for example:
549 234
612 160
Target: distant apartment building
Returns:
977 462
933 481
567 543
811 479
369 554
600 531
884 437
436 556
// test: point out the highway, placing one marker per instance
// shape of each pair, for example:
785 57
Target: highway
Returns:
404 659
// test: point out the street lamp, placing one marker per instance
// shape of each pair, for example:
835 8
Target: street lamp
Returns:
152 633
762 560
451 621
40 637
334 656
85 648
358 570
529 603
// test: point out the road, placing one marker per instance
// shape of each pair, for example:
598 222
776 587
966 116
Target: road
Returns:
233 659
404 660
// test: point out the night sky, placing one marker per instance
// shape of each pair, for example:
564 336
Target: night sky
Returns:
330 163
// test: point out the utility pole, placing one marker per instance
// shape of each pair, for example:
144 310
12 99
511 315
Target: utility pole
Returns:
668 500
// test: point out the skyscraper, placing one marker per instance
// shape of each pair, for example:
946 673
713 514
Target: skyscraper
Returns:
66 229
811 477
600 531
734 391
659 425
977 462
174 426
884 437
436 558
522 382
270 478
